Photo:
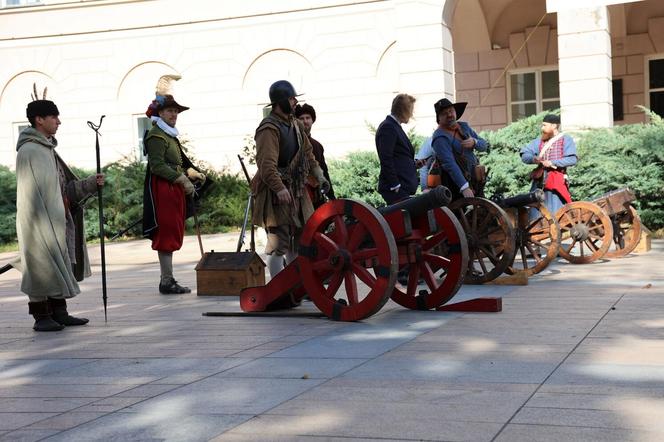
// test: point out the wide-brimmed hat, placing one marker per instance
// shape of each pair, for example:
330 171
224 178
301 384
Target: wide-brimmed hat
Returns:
441 104
163 102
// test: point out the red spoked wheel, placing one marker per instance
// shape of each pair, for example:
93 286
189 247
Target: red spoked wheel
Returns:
348 243
490 236
439 258
587 232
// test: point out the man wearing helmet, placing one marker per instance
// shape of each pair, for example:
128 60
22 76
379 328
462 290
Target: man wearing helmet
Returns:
285 159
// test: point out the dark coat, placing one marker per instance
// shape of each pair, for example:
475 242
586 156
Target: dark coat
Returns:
397 159
319 153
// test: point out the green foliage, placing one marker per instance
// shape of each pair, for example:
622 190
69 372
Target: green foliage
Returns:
609 159
7 205
356 177
224 204
629 156
221 209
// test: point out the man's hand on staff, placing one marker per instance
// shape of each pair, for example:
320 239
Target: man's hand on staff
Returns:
100 179
284 196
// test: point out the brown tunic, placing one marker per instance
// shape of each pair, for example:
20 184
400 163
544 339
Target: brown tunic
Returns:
270 179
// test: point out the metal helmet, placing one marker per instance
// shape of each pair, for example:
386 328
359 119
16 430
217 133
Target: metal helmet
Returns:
280 92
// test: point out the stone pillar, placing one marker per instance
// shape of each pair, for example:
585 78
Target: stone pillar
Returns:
424 46
584 63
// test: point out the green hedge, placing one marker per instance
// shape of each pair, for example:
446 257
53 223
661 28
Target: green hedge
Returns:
7 205
222 208
623 156
630 155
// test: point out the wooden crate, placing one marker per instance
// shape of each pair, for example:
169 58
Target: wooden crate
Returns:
644 245
227 273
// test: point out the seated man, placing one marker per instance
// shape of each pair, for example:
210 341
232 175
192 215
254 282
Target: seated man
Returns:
553 152
454 143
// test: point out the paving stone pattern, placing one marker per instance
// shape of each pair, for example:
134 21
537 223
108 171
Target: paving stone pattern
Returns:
578 354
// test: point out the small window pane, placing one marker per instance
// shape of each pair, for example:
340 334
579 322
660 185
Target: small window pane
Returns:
550 84
657 103
656 68
523 110
143 125
550 105
523 86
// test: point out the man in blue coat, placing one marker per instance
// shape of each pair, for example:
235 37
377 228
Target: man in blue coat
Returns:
454 142
398 176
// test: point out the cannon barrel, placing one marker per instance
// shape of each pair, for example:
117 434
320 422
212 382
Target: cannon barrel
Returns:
436 197
523 199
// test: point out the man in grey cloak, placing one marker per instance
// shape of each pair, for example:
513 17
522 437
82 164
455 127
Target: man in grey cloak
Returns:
49 221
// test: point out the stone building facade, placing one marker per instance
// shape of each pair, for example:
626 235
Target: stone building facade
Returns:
507 58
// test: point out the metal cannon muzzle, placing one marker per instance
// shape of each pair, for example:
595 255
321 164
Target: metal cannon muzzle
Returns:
437 197
523 199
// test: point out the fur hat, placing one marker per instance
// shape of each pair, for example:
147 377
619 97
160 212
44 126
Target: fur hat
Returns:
41 108
305 109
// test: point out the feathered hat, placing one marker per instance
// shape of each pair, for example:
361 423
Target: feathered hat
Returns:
164 97
40 107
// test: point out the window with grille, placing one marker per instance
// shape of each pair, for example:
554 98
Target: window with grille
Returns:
533 91
655 84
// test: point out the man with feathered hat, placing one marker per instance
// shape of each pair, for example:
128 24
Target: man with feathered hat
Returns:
49 221
168 184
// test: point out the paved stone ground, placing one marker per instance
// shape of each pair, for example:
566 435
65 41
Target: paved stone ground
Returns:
576 355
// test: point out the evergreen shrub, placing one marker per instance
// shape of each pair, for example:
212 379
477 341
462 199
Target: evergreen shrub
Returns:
609 159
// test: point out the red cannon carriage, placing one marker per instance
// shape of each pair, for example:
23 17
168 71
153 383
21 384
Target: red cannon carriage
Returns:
350 243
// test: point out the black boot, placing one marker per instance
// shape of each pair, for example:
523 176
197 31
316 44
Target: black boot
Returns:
41 311
60 314
171 287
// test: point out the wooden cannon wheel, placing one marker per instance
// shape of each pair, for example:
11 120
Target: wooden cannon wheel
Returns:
626 233
490 238
440 260
338 241
586 232
537 239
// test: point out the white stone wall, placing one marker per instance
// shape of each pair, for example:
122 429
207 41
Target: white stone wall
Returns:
348 60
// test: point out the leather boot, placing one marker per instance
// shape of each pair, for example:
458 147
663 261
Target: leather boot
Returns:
41 311
60 314
171 287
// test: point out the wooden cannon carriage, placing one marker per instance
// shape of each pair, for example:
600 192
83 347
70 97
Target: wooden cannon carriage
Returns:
350 243
608 226
506 235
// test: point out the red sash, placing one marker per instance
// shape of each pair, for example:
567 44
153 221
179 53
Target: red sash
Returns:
555 182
